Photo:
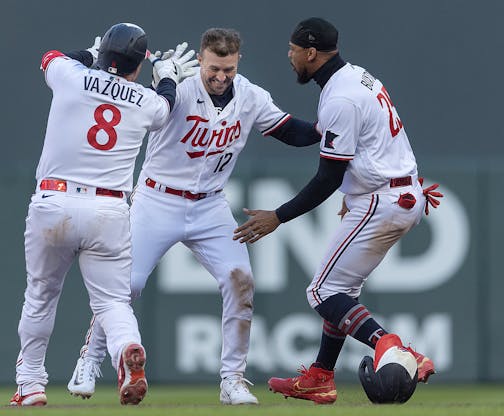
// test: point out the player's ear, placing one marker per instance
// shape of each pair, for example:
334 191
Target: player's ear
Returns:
311 55
199 57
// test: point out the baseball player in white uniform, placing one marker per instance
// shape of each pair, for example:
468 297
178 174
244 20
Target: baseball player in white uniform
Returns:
180 198
365 152
96 125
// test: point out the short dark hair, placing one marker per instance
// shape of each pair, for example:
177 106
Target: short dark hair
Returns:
222 42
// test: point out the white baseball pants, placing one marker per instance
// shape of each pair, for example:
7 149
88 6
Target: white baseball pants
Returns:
60 227
372 225
158 221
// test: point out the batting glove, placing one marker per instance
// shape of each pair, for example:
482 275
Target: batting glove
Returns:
95 48
154 57
178 67
430 194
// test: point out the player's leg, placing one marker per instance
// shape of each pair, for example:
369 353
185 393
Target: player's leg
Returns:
210 229
360 243
105 263
92 354
155 227
337 285
49 251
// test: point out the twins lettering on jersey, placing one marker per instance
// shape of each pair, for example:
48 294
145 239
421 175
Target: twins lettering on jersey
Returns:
201 137
112 88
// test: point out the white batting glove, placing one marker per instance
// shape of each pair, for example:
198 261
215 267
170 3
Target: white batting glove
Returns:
154 57
95 48
178 67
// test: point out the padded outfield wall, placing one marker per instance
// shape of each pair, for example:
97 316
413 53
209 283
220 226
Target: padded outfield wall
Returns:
440 288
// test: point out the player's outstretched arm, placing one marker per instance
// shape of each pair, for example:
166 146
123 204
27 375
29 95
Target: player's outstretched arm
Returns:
88 56
260 224
177 67
327 180
296 132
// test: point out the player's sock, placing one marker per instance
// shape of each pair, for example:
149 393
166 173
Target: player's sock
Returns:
351 318
330 346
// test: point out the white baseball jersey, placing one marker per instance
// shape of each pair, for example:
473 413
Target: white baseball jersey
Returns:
359 123
96 125
196 150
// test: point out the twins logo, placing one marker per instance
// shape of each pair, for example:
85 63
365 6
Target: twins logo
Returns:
201 136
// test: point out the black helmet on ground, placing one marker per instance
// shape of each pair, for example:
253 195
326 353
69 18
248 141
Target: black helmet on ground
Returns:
393 382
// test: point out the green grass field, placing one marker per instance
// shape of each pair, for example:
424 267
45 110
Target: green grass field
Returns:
428 400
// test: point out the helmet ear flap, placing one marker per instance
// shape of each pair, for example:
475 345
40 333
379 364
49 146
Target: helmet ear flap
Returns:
389 384
369 379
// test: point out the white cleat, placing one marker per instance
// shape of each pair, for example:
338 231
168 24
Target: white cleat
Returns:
82 383
234 390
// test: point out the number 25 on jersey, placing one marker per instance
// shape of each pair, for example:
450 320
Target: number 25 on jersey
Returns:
395 123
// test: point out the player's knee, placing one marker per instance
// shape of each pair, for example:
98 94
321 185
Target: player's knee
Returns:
334 308
242 288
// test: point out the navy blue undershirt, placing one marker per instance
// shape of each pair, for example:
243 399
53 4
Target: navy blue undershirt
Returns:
330 172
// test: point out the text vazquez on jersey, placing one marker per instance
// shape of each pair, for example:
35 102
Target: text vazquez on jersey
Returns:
113 88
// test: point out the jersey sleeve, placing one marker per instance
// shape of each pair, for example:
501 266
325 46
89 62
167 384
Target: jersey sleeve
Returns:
269 116
339 126
56 67
161 112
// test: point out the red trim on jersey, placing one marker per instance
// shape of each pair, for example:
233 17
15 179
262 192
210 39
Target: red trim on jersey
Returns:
48 57
280 123
194 155
336 158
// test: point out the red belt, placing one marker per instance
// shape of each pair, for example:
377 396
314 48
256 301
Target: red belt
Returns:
61 186
396 182
184 194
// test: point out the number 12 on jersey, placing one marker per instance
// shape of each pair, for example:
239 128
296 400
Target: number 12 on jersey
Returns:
223 161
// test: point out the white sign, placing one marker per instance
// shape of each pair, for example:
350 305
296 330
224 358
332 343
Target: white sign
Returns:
305 238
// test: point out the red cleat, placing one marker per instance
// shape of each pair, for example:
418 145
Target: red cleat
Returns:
131 374
425 364
37 398
315 384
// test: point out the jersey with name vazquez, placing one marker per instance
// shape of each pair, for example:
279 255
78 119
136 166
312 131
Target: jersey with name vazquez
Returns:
197 148
359 123
96 125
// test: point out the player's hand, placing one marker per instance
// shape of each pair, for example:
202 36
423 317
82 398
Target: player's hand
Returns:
179 66
260 224
344 209
153 58
95 48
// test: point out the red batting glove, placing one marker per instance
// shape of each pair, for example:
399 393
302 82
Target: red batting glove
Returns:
430 196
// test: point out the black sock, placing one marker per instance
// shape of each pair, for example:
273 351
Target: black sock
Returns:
352 318
330 346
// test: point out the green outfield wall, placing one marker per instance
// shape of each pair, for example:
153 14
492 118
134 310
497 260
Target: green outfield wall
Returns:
440 288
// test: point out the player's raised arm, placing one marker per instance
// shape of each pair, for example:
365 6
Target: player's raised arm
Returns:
170 69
